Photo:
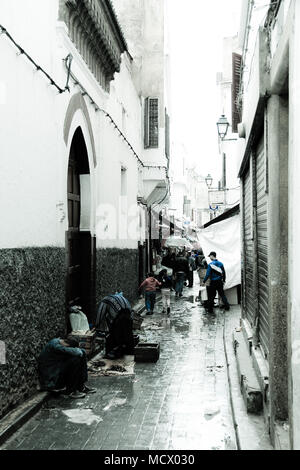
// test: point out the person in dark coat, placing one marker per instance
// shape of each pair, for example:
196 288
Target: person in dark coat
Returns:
192 268
63 365
115 318
181 269
169 260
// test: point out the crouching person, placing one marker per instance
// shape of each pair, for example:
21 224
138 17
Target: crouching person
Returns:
114 317
62 366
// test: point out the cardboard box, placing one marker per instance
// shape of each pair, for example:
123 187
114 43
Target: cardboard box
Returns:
147 352
86 341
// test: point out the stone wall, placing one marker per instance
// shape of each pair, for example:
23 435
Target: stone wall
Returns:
117 270
32 307
32 311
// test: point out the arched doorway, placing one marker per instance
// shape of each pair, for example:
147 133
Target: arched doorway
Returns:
80 245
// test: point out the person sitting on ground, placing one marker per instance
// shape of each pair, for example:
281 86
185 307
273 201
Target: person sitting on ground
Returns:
63 365
166 286
115 318
149 285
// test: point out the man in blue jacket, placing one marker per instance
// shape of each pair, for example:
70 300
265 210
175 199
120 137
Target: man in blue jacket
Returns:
216 273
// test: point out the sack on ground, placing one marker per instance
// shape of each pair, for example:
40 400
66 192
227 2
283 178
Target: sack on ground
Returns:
78 320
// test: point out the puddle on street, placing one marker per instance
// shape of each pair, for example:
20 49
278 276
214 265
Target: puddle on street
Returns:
82 416
114 403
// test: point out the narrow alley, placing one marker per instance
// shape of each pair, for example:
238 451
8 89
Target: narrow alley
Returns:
149 205
181 402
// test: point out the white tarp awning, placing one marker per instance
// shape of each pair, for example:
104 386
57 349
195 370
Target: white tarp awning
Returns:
224 238
178 242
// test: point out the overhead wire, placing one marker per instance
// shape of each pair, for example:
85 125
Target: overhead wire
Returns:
38 67
68 62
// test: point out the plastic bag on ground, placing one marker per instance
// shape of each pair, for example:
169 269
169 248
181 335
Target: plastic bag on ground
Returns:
79 321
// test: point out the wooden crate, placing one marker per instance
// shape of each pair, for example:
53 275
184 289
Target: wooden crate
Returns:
86 342
147 352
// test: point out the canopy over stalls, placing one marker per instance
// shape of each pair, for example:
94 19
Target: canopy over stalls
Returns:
178 242
224 238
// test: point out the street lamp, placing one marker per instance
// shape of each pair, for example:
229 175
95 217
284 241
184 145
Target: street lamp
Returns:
222 126
209 181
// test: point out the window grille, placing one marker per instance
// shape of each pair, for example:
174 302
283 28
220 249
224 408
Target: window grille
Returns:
236 78
151 123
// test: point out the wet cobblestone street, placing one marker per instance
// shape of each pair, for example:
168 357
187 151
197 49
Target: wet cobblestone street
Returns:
179 403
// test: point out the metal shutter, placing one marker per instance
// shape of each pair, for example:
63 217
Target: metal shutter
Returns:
262 249
249 296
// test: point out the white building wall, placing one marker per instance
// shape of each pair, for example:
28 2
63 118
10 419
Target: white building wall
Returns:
187 182
294 225
177 198
34 156
30 151
37 125
146 44
113 157
248 36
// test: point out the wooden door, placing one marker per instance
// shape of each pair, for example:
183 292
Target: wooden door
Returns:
73 241
80 245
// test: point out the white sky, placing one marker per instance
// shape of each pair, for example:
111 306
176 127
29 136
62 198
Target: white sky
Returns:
196 30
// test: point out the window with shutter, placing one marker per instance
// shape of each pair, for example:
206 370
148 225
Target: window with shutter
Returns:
151 123
236 77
